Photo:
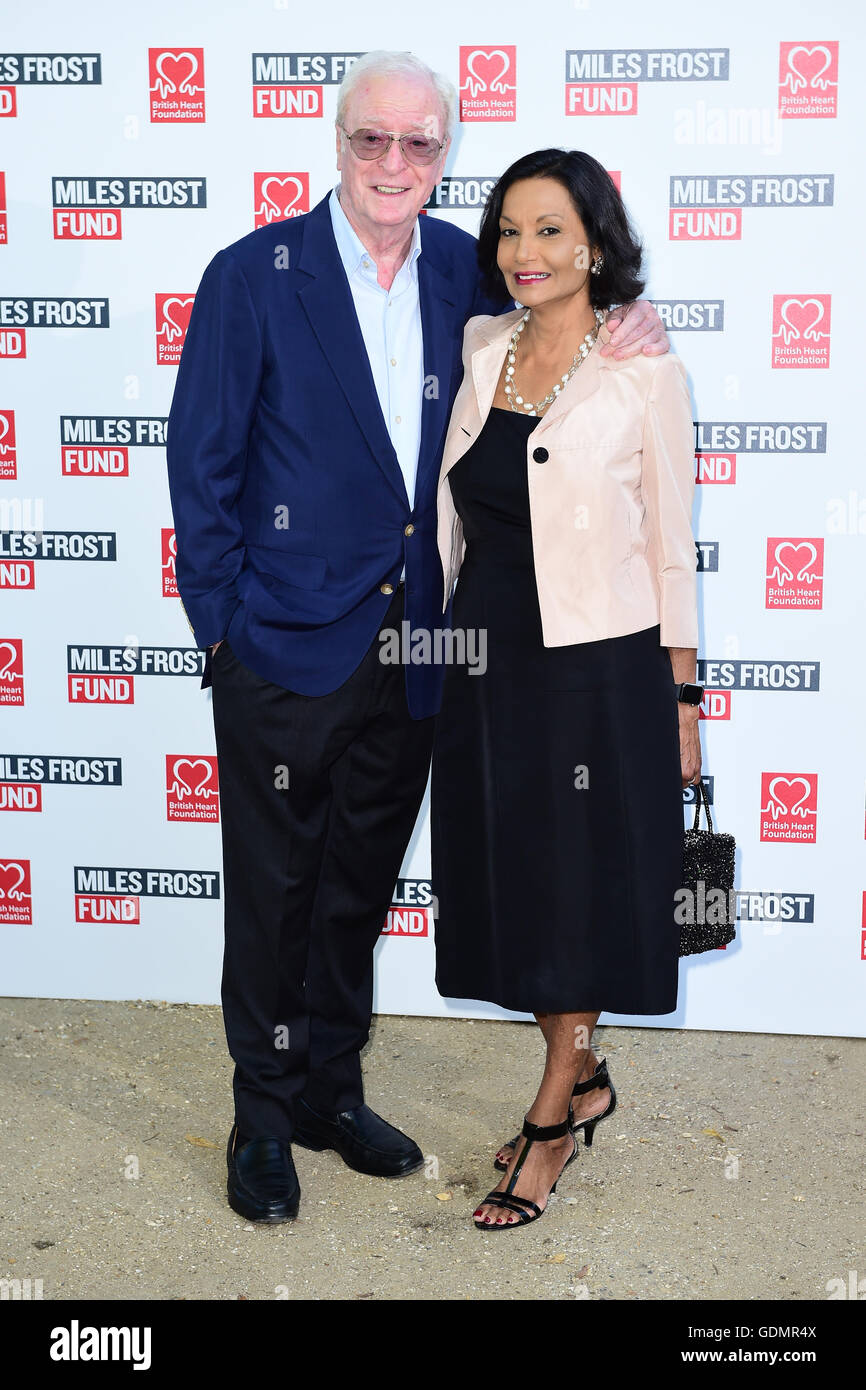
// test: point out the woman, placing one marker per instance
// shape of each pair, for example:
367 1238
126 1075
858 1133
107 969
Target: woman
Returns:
556 804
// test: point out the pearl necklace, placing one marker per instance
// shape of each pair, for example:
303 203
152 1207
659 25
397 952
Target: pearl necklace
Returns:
511 387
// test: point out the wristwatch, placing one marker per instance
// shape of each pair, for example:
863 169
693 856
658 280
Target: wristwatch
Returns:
689 694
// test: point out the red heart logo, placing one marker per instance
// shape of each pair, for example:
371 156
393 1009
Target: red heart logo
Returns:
801 318
486 68
810 63
12 876
193 784
176 71
798 568
7 663
292 189
176 311
785 799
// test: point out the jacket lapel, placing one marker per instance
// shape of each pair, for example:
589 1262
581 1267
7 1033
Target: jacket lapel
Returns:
582 385
441 332
328 304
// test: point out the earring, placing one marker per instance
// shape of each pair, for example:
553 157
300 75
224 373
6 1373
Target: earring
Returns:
595 268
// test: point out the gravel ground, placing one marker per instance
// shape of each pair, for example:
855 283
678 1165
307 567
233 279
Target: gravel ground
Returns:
732 1167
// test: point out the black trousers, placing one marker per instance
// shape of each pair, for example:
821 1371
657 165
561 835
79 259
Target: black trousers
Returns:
318 799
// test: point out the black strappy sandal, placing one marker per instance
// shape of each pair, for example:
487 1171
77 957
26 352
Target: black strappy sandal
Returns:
599 1079
509 1199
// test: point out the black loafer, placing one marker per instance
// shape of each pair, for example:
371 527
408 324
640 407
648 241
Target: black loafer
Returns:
262 1182
362 1138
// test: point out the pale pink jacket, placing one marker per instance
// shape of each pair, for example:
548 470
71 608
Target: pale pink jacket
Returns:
610 507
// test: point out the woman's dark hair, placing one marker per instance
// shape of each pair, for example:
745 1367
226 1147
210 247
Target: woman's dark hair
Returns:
601 210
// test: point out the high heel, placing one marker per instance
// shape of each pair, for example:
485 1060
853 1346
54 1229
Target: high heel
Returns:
509 1200
599 1079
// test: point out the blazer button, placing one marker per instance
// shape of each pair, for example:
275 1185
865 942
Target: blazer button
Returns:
407 530
386 588
540 455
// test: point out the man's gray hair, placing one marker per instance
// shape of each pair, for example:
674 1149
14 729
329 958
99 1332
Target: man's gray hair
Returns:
382 63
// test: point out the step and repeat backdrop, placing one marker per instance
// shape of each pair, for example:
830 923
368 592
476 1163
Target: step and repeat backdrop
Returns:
132 148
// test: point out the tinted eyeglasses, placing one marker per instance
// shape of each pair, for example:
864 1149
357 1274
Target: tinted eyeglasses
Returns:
372 144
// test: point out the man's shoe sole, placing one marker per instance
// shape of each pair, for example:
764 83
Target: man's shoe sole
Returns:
267 1219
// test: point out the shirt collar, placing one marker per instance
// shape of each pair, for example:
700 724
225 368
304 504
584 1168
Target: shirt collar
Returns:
353 251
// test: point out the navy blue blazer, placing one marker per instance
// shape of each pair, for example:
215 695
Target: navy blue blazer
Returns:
290 508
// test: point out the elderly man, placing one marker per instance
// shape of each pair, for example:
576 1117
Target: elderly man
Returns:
304 444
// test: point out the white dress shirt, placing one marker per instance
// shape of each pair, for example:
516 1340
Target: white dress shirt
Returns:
390 323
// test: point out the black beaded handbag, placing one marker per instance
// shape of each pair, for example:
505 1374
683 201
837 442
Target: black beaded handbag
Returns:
707 910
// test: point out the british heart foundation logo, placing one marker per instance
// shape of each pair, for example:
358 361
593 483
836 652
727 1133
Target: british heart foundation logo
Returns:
172 321
789 806
15 900
11 671
279 196
808 80
488 83
8 457
176 84
169 561
801 330
795 572
191 787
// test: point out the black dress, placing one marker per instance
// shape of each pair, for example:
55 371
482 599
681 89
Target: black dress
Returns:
556 797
